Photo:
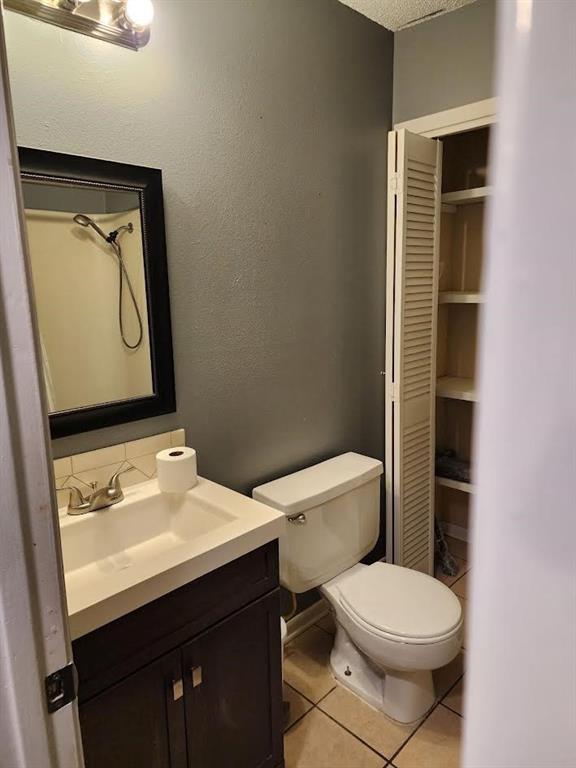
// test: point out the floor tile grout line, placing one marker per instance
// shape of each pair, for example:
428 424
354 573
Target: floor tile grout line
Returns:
326 695
298 719
458 579
310 701
384 757
451 710
414 732
449 690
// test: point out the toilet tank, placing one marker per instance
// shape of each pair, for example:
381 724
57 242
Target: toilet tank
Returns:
333 511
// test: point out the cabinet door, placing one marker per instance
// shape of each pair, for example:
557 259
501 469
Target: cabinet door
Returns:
412 297
138 723
233 690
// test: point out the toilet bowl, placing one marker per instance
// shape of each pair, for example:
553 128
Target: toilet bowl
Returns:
394 625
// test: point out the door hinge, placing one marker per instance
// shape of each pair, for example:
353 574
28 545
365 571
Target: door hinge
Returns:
394 184
61 687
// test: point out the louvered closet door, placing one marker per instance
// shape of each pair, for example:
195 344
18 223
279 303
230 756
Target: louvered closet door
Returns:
412 278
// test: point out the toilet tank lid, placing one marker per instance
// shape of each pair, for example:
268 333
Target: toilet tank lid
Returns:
318 484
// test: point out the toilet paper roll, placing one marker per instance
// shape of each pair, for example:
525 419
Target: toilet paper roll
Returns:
176 468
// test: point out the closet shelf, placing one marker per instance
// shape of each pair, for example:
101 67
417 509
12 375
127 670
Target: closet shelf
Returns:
460 297
466 196
457 485
456 388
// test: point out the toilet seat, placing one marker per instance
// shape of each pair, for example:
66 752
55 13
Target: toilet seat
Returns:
399 604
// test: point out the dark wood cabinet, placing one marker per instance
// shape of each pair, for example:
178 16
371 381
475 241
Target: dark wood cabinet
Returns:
192 680
137 722
231 716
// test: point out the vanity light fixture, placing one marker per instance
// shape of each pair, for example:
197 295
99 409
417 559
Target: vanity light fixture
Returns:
123 22
138 14
71 5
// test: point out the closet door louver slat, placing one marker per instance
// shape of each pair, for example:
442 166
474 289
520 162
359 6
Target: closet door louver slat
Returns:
412 291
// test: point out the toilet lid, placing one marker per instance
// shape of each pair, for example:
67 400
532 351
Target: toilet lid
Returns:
400 601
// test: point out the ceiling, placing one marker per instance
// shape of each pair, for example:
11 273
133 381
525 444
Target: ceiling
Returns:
397 14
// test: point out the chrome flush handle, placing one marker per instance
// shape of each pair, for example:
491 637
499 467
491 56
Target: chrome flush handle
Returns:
298 519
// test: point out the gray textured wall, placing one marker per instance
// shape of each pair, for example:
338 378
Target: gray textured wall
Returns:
269 120
445 62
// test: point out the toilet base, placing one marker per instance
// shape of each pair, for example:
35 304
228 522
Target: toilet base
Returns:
403 696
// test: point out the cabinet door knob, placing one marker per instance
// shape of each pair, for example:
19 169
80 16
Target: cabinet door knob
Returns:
177 689
196 676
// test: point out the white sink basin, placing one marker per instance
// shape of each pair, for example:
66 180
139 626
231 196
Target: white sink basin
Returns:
120 558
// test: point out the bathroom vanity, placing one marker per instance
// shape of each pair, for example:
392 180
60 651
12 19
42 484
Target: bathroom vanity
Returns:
193 677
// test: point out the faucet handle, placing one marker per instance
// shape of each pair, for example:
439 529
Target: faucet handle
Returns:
114 481
76 497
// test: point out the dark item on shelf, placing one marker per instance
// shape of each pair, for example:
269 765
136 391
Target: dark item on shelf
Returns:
444 559
450 466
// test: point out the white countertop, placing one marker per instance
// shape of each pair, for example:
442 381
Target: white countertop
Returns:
122 557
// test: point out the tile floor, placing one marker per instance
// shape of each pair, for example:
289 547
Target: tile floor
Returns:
332 728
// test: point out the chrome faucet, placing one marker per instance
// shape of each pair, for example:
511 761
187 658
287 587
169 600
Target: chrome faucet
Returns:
100 498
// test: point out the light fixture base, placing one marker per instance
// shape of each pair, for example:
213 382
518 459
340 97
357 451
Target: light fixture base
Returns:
100 19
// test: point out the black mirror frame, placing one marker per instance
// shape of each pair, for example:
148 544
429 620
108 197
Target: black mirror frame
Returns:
37 164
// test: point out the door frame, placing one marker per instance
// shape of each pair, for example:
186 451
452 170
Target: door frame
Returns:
34 637
467 117
457 120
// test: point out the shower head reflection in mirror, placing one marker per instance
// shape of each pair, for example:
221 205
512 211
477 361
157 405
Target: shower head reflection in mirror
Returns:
86 248
97 249
112 240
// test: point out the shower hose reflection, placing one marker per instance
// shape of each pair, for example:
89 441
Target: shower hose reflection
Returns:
112 240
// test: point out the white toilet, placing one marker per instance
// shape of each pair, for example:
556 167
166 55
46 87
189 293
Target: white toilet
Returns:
393 625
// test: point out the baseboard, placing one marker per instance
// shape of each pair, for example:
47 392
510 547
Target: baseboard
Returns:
305 619
456 531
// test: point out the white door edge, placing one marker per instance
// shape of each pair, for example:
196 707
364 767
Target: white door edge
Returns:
34 640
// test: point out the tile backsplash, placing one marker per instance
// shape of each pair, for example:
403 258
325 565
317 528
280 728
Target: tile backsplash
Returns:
98 466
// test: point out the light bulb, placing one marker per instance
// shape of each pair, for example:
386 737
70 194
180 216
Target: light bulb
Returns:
139 13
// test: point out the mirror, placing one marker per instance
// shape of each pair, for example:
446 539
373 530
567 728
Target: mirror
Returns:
98 261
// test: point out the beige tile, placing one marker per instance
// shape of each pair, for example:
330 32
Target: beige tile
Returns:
83 462
449 580
436 744
133 477
457 547
298 704
102 475
455 699
460 587
327 623
370 725
148 445
177 438
316 741
445 677
146 464
306 664
62 467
